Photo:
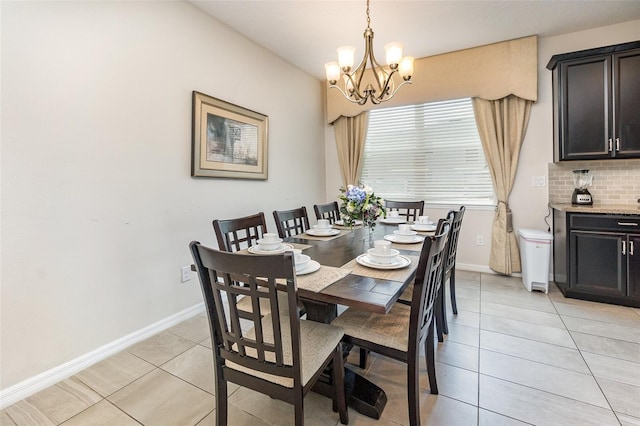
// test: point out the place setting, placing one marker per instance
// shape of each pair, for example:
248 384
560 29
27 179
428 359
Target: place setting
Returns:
270 244
404 235
303 263
423 224
323 229
393 218
382 256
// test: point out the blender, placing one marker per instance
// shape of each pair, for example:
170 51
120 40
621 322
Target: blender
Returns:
581 179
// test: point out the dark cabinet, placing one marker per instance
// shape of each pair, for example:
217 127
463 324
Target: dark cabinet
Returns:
597 263
596 102
596 257
634 266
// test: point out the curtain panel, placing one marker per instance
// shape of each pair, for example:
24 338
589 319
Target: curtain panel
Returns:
502 125
350 134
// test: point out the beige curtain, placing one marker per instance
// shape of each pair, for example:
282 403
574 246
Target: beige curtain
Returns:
502 125
351 133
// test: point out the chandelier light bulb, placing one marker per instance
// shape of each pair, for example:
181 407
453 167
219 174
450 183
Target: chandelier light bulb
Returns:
333 71
406 67
346 57
393 53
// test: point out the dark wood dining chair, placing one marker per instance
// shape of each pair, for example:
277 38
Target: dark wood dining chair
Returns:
239 233
399 333
409 209
329 211
291 222
449 270
280 355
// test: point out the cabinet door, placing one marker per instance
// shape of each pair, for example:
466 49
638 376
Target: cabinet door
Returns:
626 90
585 108
634 266
598 265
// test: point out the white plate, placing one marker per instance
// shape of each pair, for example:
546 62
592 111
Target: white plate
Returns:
258 250
395 239
402 262
423 228
312 266
394 220
323 234
341 222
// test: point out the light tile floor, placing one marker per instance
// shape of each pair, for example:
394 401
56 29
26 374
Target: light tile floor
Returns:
511 358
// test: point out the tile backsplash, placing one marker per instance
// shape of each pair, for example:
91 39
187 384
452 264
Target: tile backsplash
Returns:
614 181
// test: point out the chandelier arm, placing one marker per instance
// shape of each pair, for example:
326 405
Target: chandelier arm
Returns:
392 93
356 94
359 101
389 84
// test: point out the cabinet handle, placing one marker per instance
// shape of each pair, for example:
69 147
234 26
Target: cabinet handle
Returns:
624 248
627 224
631 248
610 144
617 144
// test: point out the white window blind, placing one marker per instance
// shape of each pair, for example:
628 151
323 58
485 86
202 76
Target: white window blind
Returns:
428 152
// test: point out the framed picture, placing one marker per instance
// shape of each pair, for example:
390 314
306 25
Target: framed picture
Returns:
228 141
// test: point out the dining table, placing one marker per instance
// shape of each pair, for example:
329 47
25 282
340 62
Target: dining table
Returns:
339 276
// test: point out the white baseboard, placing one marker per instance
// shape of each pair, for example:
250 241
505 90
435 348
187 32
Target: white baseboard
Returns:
50 377
480 268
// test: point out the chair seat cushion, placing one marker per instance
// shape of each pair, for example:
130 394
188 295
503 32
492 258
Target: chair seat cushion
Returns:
390 330
317 342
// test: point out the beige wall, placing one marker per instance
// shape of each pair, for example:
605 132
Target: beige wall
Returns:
98 205
529 204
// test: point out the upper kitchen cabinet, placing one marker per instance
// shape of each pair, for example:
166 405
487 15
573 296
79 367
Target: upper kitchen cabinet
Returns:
596 103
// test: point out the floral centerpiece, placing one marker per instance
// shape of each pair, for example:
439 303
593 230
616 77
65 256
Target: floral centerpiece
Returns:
360 203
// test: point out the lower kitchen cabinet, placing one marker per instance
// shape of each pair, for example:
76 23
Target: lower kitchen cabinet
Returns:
597 264
597 257
634 266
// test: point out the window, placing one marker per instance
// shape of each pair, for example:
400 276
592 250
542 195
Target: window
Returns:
428 152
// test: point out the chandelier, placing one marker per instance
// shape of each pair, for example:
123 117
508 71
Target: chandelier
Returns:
383 78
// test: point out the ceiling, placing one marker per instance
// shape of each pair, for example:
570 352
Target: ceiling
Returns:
306 33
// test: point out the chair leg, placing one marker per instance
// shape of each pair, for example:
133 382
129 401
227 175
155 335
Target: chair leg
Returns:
221 400
413 389
452 289
338 385
364 354
430 358
299 408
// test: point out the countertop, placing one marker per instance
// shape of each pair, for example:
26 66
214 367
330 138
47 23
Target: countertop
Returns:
598 208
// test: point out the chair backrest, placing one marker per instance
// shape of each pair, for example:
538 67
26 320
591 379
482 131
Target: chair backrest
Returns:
243 232
329 211
452 244
291 222
428 279
409 209
270 346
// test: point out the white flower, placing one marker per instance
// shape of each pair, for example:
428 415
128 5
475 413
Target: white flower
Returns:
367 189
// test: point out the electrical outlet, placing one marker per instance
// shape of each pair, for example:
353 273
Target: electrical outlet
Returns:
538 181
479 240
186 273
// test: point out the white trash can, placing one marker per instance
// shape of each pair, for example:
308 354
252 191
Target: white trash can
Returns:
535 252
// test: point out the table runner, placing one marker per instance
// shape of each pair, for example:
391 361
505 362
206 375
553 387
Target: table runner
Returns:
320 279
383 274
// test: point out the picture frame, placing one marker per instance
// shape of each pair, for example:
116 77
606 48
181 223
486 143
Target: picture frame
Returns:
228 141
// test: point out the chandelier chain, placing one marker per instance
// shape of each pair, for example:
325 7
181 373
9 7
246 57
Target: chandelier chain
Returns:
368 17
